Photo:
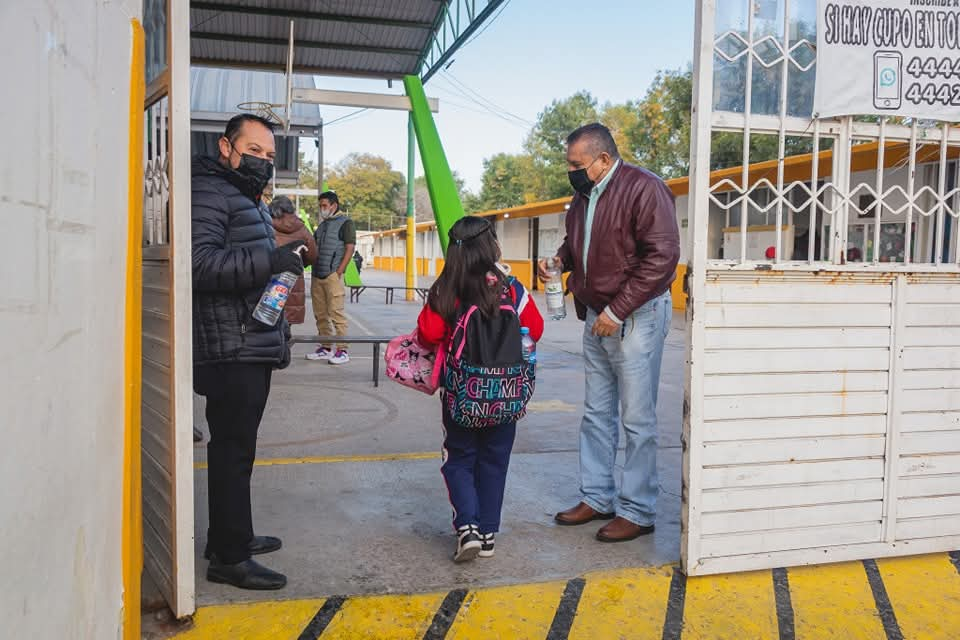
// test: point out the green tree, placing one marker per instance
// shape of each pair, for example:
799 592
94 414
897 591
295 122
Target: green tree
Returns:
421 197
546 143
369 190
471 202
659 137
621 119
506 182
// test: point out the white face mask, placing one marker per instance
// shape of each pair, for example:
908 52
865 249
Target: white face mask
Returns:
325 213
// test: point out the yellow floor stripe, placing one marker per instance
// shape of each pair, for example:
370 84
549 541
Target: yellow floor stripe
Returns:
514 613
924 592
735 607
833 601
384 618
258 621
622 605
386 457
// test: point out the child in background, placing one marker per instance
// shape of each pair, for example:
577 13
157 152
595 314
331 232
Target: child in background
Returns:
475 461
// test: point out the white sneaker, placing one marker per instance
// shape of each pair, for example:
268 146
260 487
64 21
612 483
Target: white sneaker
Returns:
340 357
322 353
486 545
468 543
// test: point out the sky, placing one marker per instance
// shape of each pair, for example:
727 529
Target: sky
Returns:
531 53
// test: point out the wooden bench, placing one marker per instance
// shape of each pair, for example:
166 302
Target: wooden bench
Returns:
376 341
387 292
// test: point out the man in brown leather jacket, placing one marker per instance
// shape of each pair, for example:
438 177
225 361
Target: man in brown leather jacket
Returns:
622 248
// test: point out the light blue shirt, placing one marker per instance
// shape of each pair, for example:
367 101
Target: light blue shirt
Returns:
595 194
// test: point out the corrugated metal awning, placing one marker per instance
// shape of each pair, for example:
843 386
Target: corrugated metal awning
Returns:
379 38
221 91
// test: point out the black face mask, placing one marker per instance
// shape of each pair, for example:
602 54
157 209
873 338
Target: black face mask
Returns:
579 180
252 175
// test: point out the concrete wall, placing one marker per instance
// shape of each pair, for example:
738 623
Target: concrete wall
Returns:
552 232
63 202
514 238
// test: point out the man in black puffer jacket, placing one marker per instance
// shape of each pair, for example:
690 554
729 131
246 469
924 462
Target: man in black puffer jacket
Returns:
234 256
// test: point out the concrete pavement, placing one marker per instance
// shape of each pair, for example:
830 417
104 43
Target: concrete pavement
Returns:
356 518
348 476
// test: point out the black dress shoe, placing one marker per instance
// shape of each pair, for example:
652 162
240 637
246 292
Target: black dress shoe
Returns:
258 545
248 574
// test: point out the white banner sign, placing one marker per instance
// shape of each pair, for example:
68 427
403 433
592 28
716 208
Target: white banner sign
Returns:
888 57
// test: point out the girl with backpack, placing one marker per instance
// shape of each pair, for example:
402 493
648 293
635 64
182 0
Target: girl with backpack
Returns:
475 312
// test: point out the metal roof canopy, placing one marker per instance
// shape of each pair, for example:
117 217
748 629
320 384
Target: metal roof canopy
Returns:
216 93
362 38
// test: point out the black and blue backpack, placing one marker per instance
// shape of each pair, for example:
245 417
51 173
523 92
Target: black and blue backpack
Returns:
486 380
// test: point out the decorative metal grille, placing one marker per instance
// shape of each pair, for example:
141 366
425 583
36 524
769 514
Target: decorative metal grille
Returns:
156 182
858 184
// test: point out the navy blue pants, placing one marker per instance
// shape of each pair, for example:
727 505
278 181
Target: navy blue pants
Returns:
475 463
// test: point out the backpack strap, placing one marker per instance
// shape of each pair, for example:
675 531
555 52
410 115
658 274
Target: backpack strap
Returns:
460 331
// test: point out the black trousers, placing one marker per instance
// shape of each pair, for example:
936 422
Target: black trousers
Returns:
236 396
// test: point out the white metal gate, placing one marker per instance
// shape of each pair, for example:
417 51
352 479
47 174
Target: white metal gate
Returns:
167 366
822 407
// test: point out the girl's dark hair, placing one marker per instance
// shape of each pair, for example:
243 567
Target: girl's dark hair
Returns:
472 253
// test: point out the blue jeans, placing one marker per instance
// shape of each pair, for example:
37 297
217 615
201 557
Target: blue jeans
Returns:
622 377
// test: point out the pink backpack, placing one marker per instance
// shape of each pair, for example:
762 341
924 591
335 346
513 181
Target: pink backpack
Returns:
412 364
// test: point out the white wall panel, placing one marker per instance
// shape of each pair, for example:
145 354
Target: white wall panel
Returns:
821 410
64 191
929 464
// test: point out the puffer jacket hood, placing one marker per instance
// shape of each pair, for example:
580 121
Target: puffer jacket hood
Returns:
208 165
289 224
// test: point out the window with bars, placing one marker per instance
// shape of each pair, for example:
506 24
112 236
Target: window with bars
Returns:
850 187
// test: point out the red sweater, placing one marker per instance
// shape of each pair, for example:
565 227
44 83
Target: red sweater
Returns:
433 330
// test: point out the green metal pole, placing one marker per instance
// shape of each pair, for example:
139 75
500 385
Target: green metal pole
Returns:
447 208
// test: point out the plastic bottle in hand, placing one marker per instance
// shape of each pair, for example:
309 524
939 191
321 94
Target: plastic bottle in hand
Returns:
556 304
528 348
275 295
